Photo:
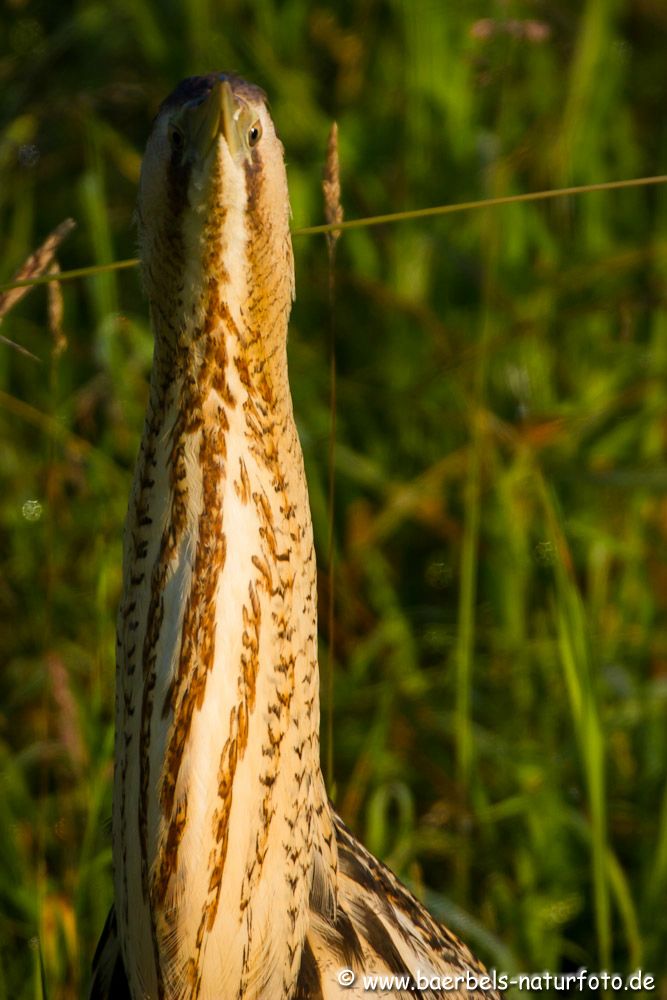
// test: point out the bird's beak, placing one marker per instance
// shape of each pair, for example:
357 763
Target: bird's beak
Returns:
217 114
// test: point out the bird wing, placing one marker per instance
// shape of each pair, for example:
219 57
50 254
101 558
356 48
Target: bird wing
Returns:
379 928
109 981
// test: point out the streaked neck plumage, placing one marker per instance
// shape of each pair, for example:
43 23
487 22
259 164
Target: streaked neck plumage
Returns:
221 820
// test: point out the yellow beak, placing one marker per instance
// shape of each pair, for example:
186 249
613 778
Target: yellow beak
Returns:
216 114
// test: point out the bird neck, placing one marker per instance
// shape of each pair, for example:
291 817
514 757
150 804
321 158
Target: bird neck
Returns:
218 677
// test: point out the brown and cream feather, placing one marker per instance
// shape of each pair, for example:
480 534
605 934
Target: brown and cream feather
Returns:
234 878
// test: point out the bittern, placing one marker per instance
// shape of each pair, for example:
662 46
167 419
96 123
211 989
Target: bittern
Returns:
234 877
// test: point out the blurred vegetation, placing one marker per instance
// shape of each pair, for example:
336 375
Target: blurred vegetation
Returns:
500 529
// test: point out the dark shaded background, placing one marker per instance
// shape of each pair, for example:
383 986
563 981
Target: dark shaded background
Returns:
500 523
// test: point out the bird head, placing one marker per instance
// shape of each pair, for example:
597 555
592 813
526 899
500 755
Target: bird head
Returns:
213 207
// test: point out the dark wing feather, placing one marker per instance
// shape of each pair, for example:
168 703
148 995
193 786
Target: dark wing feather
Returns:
378 927
109 980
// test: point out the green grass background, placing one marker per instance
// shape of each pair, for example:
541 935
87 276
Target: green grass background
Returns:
500 525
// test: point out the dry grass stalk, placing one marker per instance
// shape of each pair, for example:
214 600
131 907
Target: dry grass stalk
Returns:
56 310
39 263
333 210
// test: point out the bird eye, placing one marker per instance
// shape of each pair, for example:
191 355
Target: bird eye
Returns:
254 133
175 138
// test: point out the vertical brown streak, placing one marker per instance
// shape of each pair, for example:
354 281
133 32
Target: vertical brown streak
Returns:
242 486
198 630
285 666
128 634
171 538
232 753
197 647
196 653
